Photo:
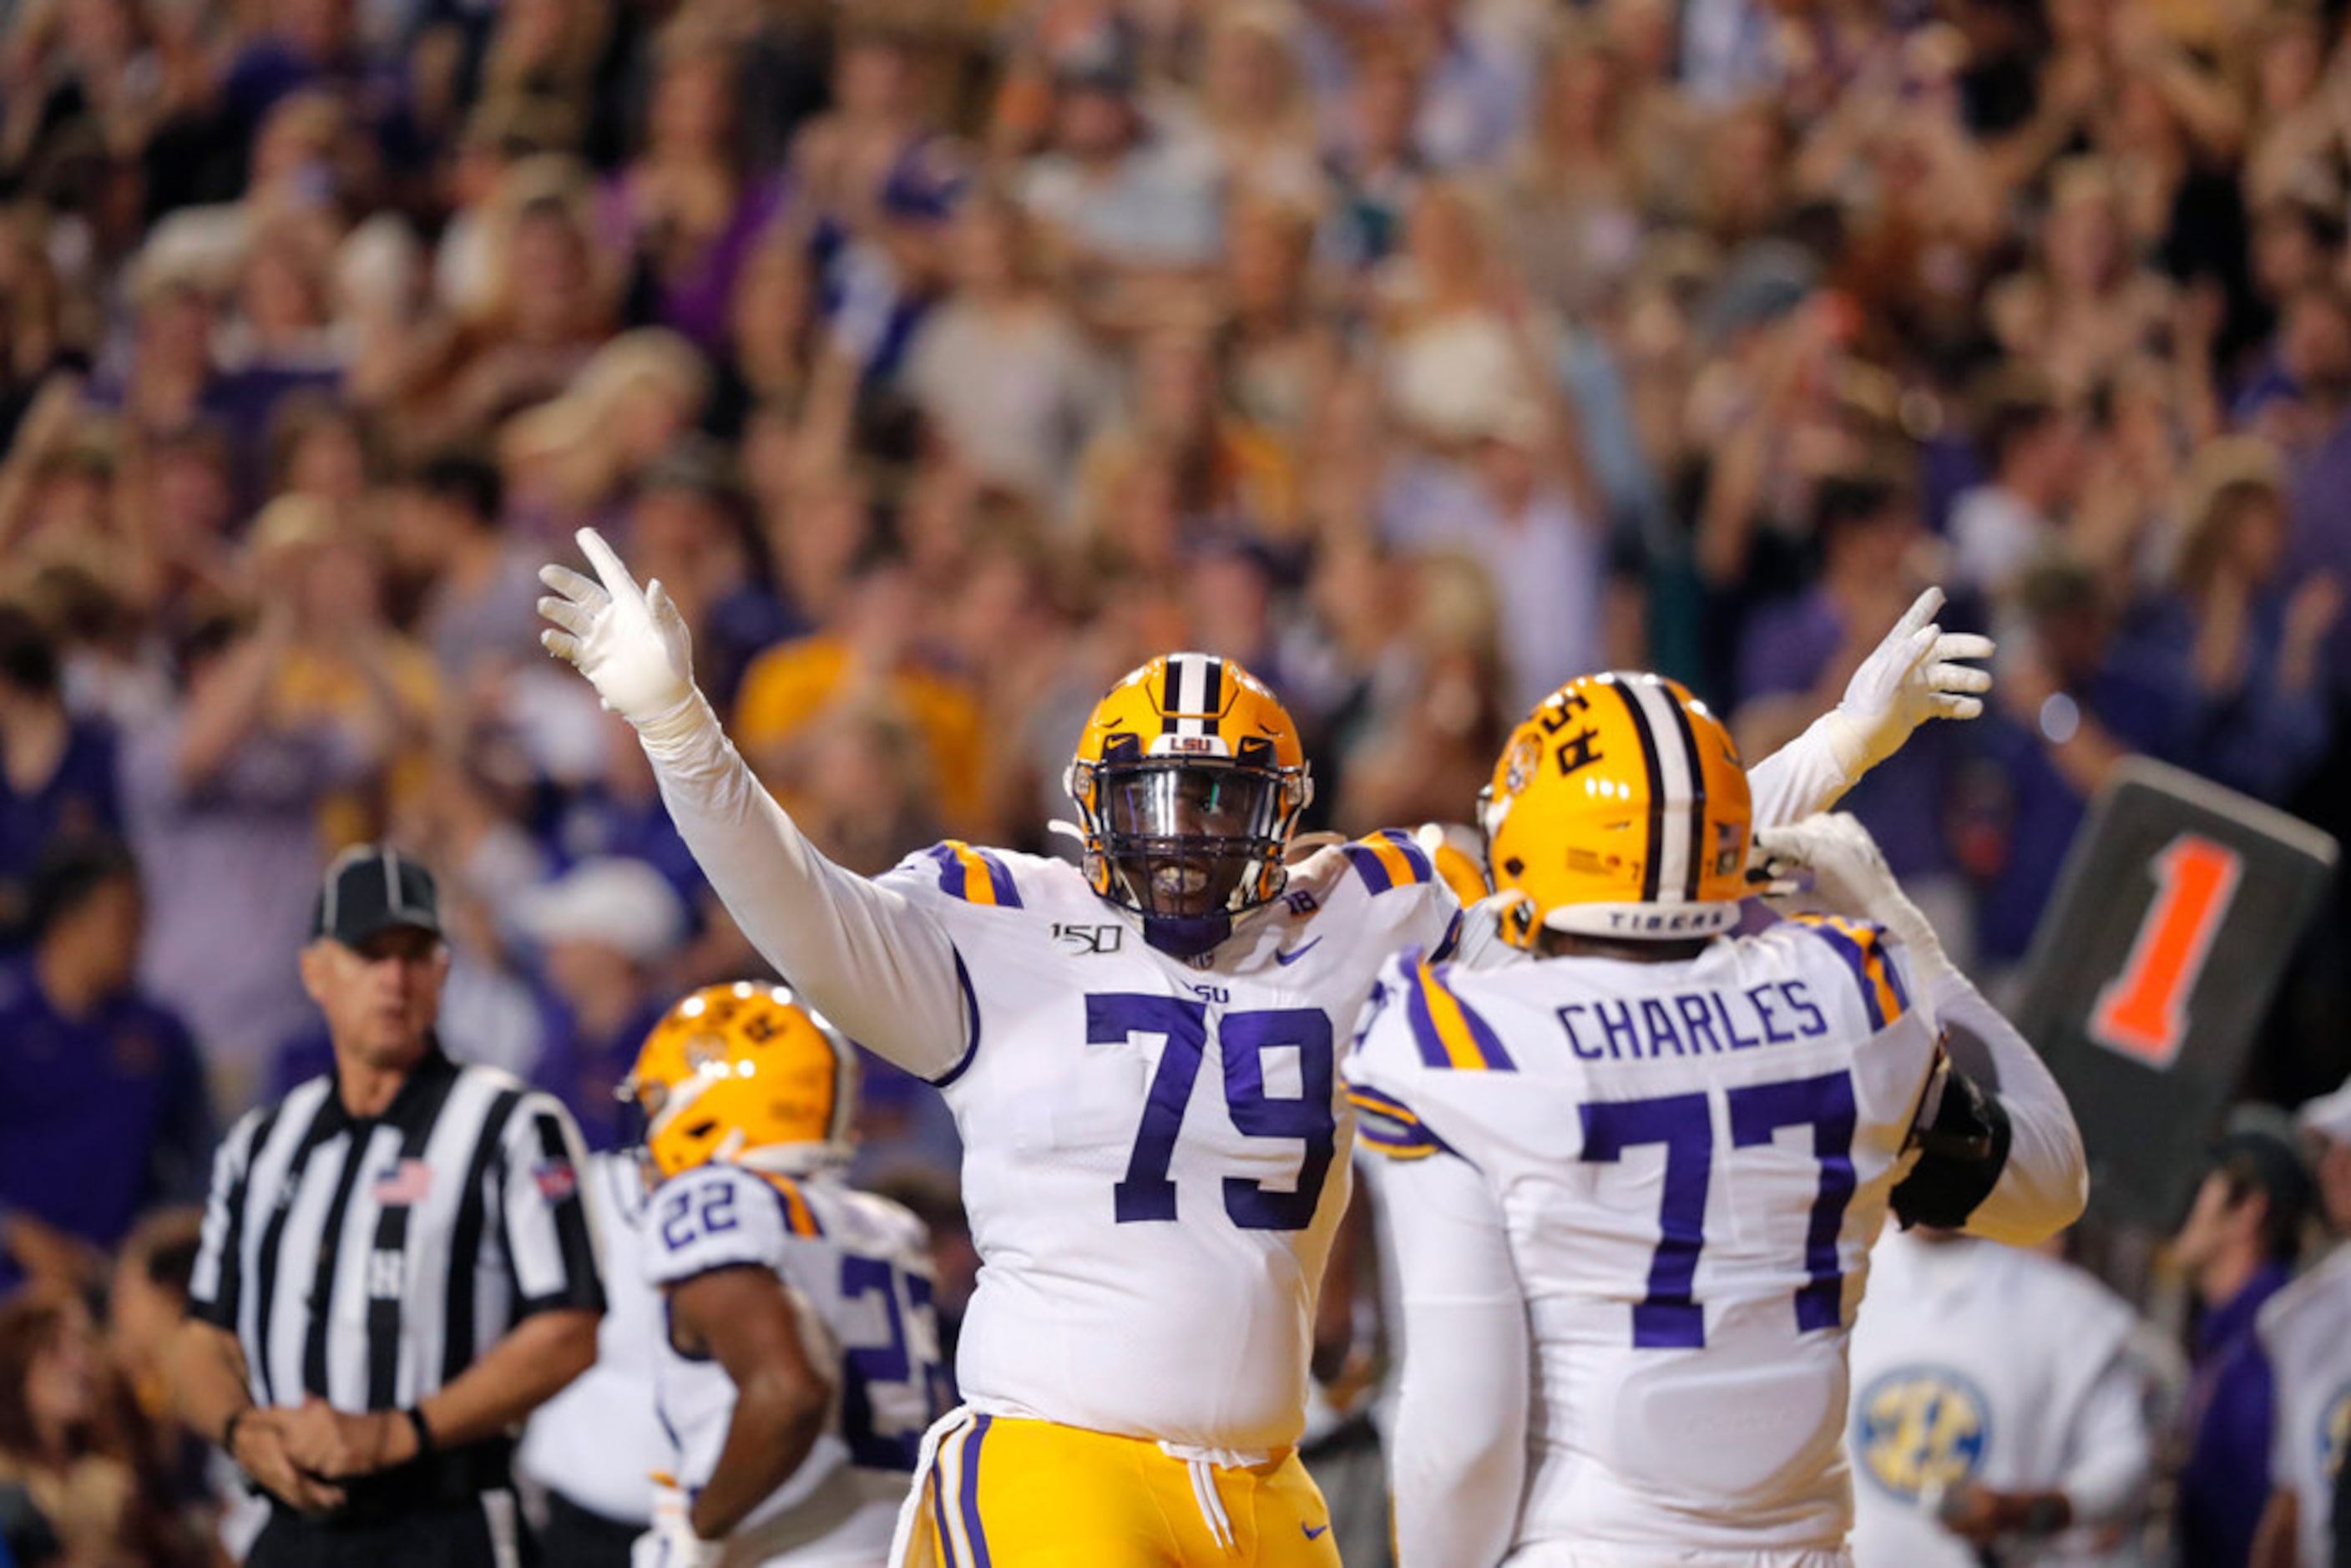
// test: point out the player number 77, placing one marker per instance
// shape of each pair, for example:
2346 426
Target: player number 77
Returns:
1669 1317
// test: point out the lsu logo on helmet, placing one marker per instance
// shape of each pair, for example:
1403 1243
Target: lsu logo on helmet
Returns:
1188 782
1619 808
743 1072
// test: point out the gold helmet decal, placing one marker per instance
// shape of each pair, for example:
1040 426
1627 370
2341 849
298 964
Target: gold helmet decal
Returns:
743 1072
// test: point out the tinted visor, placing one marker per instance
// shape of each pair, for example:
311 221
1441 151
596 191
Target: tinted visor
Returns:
1181 836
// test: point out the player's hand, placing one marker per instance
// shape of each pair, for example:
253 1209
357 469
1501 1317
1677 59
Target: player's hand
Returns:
1911 676
1850 875
631 642
334 1444
671 1542
1981 1515
261 1452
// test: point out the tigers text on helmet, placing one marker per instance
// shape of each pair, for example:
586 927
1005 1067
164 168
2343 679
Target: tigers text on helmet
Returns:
1188 782
742 1072
1619 809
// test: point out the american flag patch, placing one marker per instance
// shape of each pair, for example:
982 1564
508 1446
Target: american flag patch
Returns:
557 1181
408 1182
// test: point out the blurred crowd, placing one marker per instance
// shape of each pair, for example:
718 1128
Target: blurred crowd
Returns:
945 358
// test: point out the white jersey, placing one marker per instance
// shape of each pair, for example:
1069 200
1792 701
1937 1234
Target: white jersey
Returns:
599 1441
860 1265
1979 1364
1688 1162
2305 1331
1143 1135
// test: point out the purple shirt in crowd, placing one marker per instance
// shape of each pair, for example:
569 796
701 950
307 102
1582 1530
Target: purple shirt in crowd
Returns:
231 870
100 1116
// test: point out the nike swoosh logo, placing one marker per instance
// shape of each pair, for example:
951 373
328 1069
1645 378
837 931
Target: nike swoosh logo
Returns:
1315 1531
1286 959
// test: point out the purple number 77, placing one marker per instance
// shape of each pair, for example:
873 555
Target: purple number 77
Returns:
1669 1317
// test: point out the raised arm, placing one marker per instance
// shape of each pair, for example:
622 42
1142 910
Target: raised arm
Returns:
1913 675
878 967
2002 1156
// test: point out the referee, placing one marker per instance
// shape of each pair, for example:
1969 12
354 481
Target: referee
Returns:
397 1267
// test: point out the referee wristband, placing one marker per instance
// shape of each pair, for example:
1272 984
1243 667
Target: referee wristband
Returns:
425 1445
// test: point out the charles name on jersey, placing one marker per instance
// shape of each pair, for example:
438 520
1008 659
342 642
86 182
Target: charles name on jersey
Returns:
1691 1023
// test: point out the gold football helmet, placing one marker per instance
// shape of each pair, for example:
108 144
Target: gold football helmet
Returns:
743 1072
1619 809
1188 781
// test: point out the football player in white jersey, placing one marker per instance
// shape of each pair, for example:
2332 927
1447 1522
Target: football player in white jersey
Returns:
1633 1184
798 1359
1141 1055
594 1448
1999 1404
2304 1337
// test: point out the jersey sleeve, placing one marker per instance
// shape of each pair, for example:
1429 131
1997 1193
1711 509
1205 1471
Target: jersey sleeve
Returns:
1390 892
720 1216
550 1230
1459 1449
1416 1046
876 964
1800 779
214 1286
2040 1181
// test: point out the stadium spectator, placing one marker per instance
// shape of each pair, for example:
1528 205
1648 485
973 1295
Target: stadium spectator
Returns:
599 931
687 211
220 798
57 768
2032 451
2068 707
146 1300
72 1438
2252 644
2303 1342
2238 1249
103 1107
446 536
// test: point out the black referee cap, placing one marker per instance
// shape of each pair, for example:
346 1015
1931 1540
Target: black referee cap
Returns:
372 888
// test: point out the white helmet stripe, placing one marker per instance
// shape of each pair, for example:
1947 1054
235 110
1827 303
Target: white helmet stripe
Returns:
1677 771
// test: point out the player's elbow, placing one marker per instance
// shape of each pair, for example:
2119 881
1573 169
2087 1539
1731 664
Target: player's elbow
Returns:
790 1403
1457 1507
2063 1176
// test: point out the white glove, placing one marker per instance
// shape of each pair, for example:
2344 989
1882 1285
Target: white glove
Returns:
630 644
671 1542
1851 877
1907 680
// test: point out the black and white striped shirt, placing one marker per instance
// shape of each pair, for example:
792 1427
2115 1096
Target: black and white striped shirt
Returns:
370 1261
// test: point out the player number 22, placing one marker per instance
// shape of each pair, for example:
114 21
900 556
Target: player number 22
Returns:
1148 1192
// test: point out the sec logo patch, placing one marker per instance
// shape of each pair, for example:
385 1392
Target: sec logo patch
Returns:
1920 1427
